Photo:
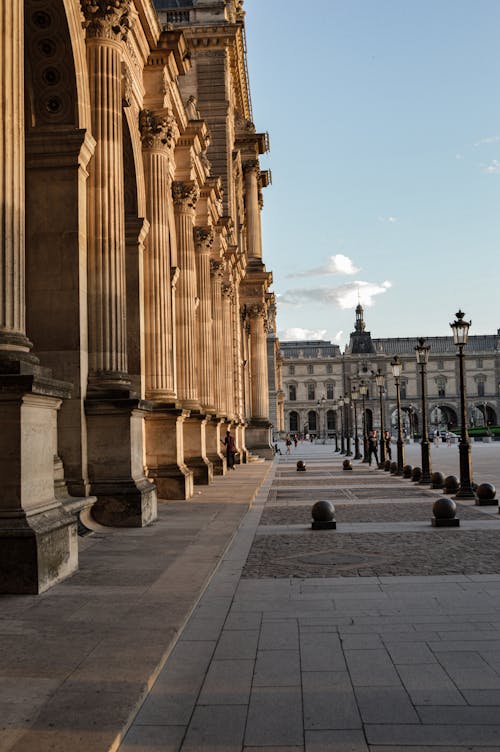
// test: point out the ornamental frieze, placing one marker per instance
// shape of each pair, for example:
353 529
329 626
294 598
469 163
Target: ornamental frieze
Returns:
157 130
106 19
185 194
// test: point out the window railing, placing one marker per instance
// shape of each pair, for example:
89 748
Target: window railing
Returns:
177 16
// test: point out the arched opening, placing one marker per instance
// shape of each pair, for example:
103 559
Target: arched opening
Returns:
293 422
331 423
483 415
409 421
369 419
442 418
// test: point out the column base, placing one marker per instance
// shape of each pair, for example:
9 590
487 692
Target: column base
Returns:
37 552
125 497
173 482
195 449
258 438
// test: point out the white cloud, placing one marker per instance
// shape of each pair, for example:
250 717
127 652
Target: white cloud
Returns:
390 220
296 332
338 337
487 140
338 264
345 296
493 168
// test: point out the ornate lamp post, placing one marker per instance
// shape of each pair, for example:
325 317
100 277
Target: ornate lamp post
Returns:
355 397
422 355
341 408
460 330
336 407
347 401
380 379
363 390
397 367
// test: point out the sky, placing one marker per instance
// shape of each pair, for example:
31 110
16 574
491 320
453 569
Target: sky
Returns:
384 123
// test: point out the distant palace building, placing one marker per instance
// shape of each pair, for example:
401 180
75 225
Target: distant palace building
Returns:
316 373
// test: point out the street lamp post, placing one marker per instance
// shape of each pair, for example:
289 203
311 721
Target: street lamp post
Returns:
363 390
380 379
341 408
355 397
422 355
397 367
335 405
347 401
460 330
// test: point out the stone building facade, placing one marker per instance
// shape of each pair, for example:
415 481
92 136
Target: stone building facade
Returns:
133 293
317 373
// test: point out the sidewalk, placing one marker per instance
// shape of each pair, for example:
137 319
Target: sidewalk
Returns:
381 636
77 661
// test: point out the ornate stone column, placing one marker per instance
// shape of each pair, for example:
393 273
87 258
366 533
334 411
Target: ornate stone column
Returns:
203 238
185 195
228 359
114 415
258 433
158 133
38 544
254 232
217 273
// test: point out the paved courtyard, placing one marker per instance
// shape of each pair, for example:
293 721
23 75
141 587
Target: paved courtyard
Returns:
383 635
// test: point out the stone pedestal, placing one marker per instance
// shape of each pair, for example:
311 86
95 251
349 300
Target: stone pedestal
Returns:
239 432
195 449
38 538
258 438
126 498
165 452
215 453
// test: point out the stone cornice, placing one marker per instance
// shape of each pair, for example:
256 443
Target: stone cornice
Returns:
106 19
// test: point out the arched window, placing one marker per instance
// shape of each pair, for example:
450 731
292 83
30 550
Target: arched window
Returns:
292 392
293 421
311 420
480 388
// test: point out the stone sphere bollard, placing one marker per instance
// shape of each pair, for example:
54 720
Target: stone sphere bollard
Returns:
301 468
346 465
323 515
444 511
407 471
387 465
437 480
486 495
416 474
451 484
394 468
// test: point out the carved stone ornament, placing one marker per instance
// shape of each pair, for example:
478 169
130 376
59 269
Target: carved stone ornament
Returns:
203 237
185 194
157 131
251 165
106 19
255 310
227 291
216 268
126 86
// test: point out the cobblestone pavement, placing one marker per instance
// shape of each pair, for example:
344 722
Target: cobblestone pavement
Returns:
334 641
297 515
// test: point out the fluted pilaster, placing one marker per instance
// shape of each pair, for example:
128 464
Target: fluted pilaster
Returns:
216 272
258 354
203 238
254 232
228 361
158 133
13 340
107 25
185 196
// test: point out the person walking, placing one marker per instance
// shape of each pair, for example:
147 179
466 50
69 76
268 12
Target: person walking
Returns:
230 450
387 441
372 447
288 443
